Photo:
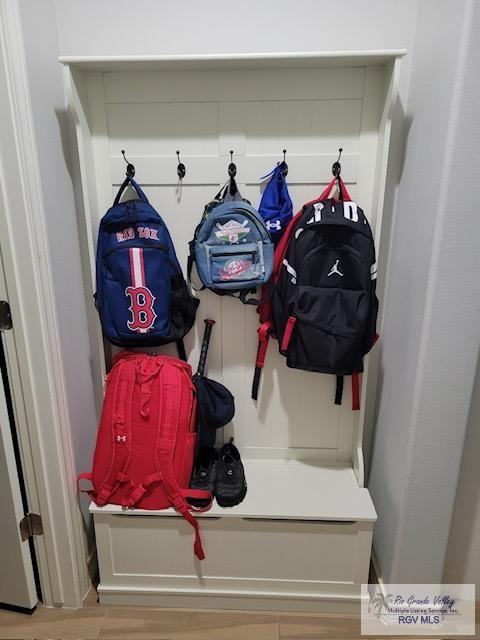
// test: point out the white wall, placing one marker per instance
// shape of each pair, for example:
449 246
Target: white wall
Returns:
123 27
431 332
49 113
462 564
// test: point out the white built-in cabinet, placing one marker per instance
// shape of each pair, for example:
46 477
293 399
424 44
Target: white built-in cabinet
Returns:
301 540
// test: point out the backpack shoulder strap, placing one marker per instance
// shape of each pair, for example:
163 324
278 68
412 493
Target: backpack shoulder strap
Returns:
167 428
190 262
135 185
166 437
121 438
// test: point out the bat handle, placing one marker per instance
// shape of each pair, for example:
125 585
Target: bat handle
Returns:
206 340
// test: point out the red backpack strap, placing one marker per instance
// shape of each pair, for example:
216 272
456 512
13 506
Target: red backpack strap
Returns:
89 477
138 491
355 391
344 195
264 309
167 434
147 370
264 333
121 437
167 429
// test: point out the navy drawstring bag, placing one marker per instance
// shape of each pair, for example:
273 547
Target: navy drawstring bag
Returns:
276 207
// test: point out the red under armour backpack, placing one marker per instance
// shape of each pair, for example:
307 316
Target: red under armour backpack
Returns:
146 437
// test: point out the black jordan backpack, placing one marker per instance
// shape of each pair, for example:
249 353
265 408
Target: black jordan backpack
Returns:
323 301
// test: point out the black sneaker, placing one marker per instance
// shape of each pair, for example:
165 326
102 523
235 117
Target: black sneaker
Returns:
204 474
231 486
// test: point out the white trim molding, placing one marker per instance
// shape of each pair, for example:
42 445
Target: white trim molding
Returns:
44 434
231 60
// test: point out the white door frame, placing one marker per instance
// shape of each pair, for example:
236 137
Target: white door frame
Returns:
17 582
32 348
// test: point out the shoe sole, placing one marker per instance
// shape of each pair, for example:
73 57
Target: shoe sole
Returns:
200 504
232 502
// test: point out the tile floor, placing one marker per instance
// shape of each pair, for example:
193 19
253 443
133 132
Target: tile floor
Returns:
96 622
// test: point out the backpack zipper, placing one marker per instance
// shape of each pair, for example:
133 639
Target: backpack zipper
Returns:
133 218
231 254
156 245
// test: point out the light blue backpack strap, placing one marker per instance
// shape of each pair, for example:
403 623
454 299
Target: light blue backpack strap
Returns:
190 262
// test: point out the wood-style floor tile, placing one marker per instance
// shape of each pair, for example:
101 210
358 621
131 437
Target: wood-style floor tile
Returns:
142 624
338 627
45 623
317 627
91 599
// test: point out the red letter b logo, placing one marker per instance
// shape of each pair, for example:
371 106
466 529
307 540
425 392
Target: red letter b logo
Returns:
141 306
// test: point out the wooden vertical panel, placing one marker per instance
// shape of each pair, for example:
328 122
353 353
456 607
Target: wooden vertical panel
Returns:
368 141
234 363
320 129
389 84
89 216
159 129
344 125
231 129
99 131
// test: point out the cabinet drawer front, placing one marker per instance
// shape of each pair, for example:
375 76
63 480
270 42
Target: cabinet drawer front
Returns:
262 555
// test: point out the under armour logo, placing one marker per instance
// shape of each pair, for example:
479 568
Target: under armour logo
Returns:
121 438
277 225
334 270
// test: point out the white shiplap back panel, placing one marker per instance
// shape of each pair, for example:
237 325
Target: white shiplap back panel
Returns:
152 128
257 113
304 126
235 85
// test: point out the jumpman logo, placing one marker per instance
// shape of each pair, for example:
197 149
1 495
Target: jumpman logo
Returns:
334 270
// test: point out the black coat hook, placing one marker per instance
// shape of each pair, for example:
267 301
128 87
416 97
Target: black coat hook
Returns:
181 170
284 164
130 167
336 166
232 167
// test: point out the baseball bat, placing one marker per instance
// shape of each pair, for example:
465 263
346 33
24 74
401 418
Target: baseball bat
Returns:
206 341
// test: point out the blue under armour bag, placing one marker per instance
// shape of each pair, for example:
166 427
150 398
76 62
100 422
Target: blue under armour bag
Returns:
142 297
276 206
232 248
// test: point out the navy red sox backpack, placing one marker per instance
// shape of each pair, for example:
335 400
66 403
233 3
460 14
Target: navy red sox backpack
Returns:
321 303
142 297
